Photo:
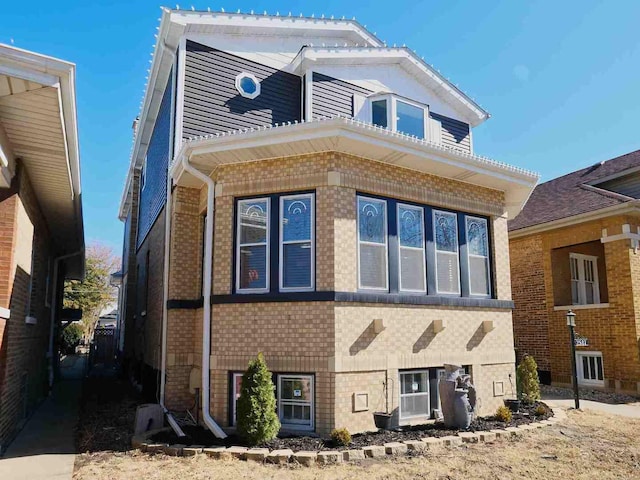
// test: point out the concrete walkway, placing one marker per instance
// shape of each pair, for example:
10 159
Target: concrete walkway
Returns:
631 410
45 448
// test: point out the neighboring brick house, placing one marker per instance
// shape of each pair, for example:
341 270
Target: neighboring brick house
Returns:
353 235
575 246
41 231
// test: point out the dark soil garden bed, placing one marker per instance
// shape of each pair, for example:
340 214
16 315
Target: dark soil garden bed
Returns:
201 436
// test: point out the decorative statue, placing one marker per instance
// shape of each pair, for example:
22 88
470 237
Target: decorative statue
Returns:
457 398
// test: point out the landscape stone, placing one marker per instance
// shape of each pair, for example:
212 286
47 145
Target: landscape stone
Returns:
487 437
374 451
452 440
329 457
280 457
256 454
305 458
351 455
237 452
192 450
395 448
469 437
416 445
174 450
218 453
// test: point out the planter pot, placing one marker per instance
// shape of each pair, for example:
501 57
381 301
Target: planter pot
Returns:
513 405
382 420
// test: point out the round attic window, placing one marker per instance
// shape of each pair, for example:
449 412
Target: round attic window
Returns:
248 85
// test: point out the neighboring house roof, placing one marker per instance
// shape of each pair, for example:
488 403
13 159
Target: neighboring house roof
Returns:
174 23
38 127
584 191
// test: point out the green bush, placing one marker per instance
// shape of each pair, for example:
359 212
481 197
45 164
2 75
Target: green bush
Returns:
528 383
70 338
256 410
503 414
341 436
541 410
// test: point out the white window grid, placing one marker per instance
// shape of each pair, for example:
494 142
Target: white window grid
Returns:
455 254
312 241
589 377
266 244
423 394
375 244
584 271
310 403
484 257
421 249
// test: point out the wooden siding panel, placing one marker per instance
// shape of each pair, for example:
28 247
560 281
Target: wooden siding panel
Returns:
212 104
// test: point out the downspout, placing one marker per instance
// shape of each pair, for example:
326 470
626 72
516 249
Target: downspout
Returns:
206 288
165 313
54 308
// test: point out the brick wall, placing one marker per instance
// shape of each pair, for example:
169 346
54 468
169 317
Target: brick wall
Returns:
611 329
25 253
329 340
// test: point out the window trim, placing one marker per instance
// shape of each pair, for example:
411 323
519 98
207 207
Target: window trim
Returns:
289 426
435 247
233 420
281 243
582 282
487 258
392 111
580 369
267 246
386 242
400 247
402 418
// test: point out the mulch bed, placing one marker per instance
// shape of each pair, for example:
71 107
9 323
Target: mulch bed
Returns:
107 415
203 437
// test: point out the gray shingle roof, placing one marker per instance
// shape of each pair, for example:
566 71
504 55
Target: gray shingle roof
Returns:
574 193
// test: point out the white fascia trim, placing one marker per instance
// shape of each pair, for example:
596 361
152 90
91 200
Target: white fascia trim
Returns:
5 313
394 55
251 20
351 128
632 207
169 35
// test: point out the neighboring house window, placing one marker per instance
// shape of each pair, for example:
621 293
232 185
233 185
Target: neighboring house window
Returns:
372 244
414 394
236 388
445 227
252 270
412 249
290 245
295 401
590 369
584 279
416 249
297 256
478 254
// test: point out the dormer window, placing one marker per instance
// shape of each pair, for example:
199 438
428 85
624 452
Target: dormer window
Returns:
400 115
248 85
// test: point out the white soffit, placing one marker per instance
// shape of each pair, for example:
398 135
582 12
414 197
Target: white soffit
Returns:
364 140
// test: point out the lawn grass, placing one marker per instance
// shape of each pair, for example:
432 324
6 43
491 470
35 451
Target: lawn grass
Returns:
587 445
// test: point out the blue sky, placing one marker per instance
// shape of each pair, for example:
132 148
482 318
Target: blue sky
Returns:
560 79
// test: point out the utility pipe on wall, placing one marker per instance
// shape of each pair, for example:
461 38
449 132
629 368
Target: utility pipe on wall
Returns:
206 288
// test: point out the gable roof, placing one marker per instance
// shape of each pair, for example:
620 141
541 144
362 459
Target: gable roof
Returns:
577 193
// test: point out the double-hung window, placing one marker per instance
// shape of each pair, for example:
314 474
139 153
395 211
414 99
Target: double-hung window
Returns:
411 245
275 250
445 227
372 244
297 257
478 255
295 401
414 394
252 254
584 279
415 249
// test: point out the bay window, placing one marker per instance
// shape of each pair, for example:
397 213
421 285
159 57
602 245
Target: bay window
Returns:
284 238
416 249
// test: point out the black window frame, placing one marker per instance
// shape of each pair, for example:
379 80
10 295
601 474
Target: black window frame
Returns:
274 246
393 252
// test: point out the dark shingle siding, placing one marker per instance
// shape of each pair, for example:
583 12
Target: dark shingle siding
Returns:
213 105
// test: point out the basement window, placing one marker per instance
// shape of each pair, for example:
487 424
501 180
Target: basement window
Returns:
590 368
